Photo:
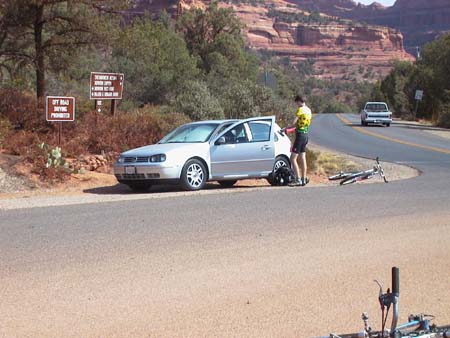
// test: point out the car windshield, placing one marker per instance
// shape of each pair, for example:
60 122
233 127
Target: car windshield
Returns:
376 107
190 133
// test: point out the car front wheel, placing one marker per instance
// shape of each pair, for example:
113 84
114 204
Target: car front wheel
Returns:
193 175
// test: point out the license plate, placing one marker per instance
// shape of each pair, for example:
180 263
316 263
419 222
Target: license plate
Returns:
130 170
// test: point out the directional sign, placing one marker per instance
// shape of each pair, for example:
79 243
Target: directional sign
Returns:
106 86
60 108
419 95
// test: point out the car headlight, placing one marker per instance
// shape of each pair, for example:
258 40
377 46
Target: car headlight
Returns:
121 159
158 158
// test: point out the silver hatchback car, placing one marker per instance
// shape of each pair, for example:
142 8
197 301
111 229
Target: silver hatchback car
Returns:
218 150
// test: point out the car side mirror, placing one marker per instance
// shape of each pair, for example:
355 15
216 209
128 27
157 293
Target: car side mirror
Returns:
221 140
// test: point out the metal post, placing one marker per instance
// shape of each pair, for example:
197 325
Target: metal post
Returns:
59 133
113 107
415 109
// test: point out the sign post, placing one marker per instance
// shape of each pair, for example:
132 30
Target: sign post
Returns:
60 109
106 86
418 97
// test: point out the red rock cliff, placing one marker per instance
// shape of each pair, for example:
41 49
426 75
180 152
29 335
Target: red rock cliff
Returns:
420 21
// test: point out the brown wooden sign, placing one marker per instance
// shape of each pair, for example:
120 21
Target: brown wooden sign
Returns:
106 86
60 108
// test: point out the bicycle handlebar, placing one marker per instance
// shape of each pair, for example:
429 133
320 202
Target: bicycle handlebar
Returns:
395 281
395 294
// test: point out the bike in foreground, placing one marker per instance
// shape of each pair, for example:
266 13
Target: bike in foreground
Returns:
418 326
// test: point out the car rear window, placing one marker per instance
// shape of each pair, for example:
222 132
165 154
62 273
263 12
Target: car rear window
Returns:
376 107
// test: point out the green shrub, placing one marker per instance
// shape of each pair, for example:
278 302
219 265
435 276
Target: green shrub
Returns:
48 163
54 156
444 117
335 107
197 102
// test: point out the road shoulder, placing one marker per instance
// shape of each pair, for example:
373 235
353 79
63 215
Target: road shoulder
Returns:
92 187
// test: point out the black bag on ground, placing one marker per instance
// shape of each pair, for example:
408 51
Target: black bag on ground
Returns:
283 176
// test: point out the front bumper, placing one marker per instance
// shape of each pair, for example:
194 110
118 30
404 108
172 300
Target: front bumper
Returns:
377 119
129 172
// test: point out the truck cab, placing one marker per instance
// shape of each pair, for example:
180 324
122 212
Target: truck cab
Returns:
376 113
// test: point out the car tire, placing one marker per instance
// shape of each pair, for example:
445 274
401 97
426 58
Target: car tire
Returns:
388 124
227 183
193 176
139 186
280 161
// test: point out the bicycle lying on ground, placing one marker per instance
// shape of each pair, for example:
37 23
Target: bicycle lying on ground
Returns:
352 177
418 326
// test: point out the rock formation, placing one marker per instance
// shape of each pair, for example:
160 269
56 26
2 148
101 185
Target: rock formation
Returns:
339 49
419 21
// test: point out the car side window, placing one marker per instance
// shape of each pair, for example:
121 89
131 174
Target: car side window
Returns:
260 131
236 135
222 128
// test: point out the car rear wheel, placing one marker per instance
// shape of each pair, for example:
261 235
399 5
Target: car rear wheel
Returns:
228 183
280 161
193 175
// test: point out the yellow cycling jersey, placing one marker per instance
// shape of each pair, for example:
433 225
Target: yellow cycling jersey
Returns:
304 117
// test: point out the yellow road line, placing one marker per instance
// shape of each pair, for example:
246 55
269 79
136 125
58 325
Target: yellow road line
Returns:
365 131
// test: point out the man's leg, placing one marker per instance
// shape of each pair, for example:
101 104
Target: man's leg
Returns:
303 168
296 182
294 159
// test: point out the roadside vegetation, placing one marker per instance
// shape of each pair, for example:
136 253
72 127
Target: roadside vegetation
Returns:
197 67
430 74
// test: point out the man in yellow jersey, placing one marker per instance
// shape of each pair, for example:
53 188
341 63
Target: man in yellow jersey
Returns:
301 123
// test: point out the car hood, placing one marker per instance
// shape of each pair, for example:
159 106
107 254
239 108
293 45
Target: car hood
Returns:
164 148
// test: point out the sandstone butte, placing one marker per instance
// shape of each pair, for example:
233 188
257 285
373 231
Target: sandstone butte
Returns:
419 21
338 49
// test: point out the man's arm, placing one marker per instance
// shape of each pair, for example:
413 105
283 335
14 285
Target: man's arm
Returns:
292 125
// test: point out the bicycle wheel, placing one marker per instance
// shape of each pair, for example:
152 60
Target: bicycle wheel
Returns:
355 178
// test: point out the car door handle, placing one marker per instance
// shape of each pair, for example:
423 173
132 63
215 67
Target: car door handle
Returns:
266 147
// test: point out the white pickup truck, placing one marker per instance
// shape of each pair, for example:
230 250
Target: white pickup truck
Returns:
376 112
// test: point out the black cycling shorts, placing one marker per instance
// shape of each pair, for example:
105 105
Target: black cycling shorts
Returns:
301 140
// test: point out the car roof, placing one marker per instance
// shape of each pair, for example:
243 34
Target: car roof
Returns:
225 120
212 121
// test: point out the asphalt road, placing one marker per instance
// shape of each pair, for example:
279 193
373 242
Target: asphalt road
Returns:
403 142
269 262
